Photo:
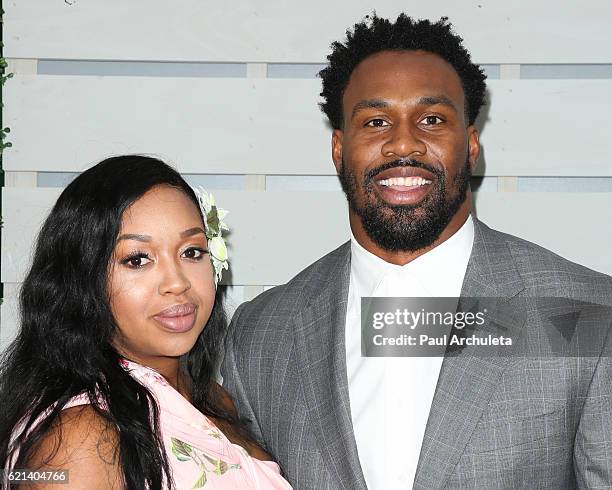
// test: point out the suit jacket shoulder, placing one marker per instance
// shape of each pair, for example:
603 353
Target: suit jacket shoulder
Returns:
542 272
282 302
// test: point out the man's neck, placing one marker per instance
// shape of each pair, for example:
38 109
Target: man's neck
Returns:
404 257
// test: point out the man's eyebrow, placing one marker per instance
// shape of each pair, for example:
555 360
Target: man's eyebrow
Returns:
192 231
437 100
425 100
369 104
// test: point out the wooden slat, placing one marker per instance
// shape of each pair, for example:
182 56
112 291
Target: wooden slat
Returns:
532 128
279 31
276 234
205 125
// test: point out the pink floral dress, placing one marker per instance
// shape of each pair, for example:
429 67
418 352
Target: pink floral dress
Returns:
199 454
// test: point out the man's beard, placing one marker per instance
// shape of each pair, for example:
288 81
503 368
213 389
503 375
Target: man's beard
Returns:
406 228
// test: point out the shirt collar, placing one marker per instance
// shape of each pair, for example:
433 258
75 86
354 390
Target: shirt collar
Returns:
440 270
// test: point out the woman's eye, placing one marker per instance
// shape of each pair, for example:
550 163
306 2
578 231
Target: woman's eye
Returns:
377 123
194 253
432 120
136 261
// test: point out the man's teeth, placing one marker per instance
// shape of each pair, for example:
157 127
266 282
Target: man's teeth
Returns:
405 181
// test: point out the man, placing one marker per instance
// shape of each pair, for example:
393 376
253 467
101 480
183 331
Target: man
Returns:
402 98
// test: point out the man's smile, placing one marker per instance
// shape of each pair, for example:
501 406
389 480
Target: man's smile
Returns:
403 185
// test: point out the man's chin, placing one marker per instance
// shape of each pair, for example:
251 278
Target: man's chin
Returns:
403 228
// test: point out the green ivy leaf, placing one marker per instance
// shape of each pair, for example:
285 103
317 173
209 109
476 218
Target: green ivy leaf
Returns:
221 467
181 449
212 461
200 482
212 219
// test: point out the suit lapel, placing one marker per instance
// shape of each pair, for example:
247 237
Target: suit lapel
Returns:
320 337
468 379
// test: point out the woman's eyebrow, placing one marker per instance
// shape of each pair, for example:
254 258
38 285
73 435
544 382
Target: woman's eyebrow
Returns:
132 236
192 231
147 238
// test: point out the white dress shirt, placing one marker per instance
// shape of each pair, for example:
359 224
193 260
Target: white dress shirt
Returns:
390 398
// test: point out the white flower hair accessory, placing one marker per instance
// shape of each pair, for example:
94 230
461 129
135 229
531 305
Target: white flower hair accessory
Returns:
214 227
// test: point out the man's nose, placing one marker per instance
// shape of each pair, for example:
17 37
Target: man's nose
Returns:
173 279
404 142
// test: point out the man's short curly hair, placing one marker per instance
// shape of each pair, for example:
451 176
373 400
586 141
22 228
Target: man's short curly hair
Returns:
376 34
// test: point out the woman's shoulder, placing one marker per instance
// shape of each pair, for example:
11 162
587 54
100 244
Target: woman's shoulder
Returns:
83 442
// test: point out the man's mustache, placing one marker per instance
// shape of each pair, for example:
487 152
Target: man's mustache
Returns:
403 162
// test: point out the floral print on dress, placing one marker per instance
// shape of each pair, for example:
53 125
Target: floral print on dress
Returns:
185 452
209 459
214 433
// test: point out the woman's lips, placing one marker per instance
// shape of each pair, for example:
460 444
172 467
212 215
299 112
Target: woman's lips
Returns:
177 318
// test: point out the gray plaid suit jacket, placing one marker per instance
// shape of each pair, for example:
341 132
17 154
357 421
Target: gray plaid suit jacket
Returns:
495 423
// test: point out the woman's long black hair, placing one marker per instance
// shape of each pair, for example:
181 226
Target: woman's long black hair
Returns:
64 348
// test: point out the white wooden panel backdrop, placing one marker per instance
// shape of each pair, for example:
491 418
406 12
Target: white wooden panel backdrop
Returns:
272 126
555 128
517 31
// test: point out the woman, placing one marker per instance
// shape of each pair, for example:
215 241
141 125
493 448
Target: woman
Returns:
111 374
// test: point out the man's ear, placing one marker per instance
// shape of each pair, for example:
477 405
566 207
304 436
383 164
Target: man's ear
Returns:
337 137
473 146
